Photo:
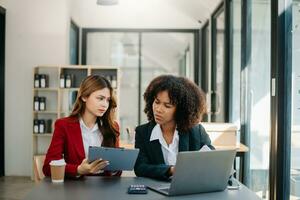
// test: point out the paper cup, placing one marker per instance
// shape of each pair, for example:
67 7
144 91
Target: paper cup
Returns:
57 168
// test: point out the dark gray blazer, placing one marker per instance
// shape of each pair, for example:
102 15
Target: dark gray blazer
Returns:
150 161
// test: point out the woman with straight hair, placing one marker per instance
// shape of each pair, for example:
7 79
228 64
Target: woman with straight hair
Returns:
91 123
174 107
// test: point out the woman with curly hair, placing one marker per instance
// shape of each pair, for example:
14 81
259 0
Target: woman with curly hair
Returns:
91 123
174 107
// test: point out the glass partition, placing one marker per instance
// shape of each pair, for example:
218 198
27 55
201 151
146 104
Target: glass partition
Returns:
236 62
218 83
295 137
165 53
141 56
259 97
121 50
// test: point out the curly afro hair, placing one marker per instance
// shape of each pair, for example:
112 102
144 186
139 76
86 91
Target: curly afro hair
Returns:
188 98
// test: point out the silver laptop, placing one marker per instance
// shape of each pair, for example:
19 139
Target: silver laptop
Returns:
198 172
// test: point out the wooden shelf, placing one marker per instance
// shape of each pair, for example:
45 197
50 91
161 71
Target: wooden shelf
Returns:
68 89
39 154
46 89
59 99
74 67
42 134
239 147
125 144
45 112
66 111
102 67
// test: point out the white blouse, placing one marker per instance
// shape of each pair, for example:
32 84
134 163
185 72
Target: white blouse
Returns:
169 151
90 136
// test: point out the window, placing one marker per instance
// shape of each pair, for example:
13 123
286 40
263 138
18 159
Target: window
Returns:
141 56
295 137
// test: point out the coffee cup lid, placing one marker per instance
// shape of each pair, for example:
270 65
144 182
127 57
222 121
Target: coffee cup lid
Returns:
58 162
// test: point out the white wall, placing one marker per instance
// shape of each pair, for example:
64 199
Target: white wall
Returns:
36 33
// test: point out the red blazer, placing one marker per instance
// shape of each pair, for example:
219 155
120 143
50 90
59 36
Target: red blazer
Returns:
67 143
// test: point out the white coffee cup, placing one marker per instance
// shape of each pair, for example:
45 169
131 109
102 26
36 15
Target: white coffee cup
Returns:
57 168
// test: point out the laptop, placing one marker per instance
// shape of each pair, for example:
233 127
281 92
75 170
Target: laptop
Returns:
198 172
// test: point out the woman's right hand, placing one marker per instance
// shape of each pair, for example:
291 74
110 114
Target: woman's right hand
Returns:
172 170
91 168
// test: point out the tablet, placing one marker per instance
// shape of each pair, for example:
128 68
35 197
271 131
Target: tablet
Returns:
119 158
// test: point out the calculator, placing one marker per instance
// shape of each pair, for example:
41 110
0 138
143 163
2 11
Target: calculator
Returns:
137 189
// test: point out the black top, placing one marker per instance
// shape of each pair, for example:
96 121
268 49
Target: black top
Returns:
150 161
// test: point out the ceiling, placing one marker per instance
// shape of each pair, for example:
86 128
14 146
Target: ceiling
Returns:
160 49
197 9
144 13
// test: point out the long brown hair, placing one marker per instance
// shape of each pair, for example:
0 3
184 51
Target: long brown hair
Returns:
106 123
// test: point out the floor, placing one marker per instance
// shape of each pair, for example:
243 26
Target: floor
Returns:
15 188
